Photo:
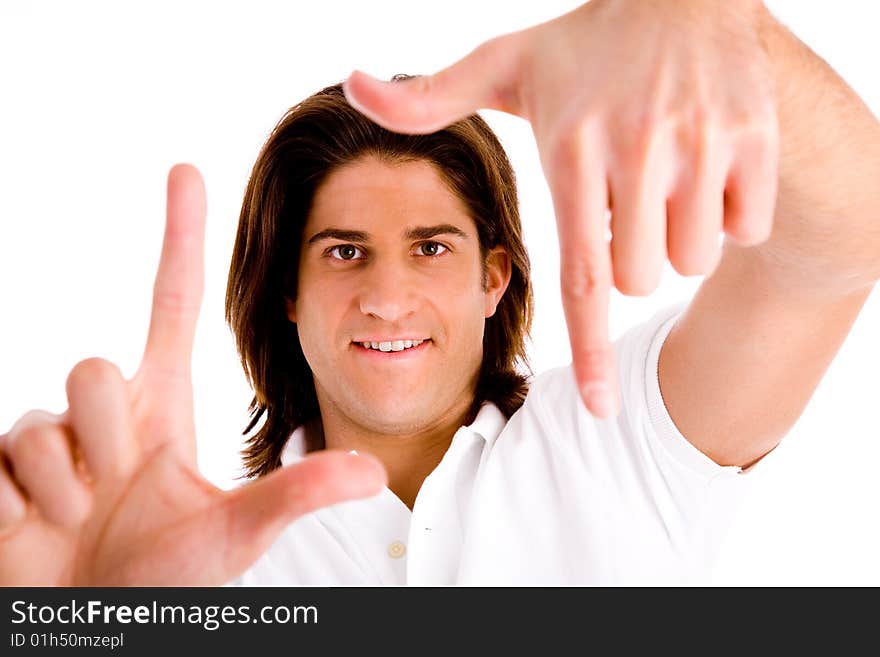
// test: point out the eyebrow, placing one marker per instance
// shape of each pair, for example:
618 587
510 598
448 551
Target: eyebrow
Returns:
417 233
339 234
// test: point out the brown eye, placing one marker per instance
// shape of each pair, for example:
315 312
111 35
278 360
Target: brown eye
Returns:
345 252
431 248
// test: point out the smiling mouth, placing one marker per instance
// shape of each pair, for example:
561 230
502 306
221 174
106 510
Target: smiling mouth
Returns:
392 345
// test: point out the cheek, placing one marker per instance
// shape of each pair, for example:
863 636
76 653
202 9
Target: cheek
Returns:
320 309
463 308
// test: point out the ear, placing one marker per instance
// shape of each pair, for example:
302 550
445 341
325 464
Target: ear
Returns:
497 278
290 304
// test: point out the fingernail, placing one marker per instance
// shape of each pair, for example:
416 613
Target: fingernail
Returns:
599 400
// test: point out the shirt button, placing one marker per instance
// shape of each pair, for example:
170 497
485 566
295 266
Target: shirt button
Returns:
396 550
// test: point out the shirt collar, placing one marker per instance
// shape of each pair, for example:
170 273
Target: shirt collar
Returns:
487 425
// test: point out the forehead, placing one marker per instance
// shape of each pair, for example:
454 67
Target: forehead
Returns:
370 191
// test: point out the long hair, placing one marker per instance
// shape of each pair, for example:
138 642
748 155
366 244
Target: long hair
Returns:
312 139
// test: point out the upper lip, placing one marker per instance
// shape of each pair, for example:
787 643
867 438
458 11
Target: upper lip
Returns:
388 339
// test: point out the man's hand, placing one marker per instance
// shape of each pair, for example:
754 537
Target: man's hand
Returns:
660 110
109 492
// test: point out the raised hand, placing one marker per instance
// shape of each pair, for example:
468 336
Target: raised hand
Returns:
109 493
661 111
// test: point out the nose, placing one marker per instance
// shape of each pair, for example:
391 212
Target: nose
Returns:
388 291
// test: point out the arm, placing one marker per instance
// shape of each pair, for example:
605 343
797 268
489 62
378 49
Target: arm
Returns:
654 109
741 364
687 148
109 493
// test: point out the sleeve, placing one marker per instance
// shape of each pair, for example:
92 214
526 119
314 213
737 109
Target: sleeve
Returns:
645 412
701 497
649 469
566 498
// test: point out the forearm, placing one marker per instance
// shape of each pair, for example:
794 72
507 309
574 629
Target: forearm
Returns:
826 235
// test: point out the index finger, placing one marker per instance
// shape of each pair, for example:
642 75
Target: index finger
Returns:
180 279
580 200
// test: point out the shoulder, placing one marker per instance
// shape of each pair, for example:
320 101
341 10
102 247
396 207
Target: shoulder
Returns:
633 350
554 417
553 395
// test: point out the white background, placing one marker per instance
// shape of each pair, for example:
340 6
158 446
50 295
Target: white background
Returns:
99 100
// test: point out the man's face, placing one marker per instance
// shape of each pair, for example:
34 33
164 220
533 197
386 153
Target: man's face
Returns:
390 258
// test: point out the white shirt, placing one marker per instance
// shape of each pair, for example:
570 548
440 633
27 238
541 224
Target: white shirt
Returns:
553 496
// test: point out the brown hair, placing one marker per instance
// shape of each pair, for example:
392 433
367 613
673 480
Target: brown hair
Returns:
312 139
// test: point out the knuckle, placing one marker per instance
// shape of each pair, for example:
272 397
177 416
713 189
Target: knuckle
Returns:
701 114
563 154
757 129
70 508
11 513
13 505
36 416
422 84
700 137
33 445
490 52
647 120
568 143
13 510
176 301
583 278
641 136
764 138
79 512
425 84
705 136
592 362
504 57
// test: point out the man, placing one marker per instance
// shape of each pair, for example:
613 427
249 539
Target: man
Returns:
693 156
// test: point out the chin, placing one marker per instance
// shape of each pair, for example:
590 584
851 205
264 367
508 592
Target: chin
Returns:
398 418
388 415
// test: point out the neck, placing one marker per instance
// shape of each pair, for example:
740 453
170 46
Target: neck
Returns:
408 456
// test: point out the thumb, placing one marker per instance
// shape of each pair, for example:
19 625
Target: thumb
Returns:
484 79
259 511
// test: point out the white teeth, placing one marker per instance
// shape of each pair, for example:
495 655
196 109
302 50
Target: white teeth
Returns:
392 345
